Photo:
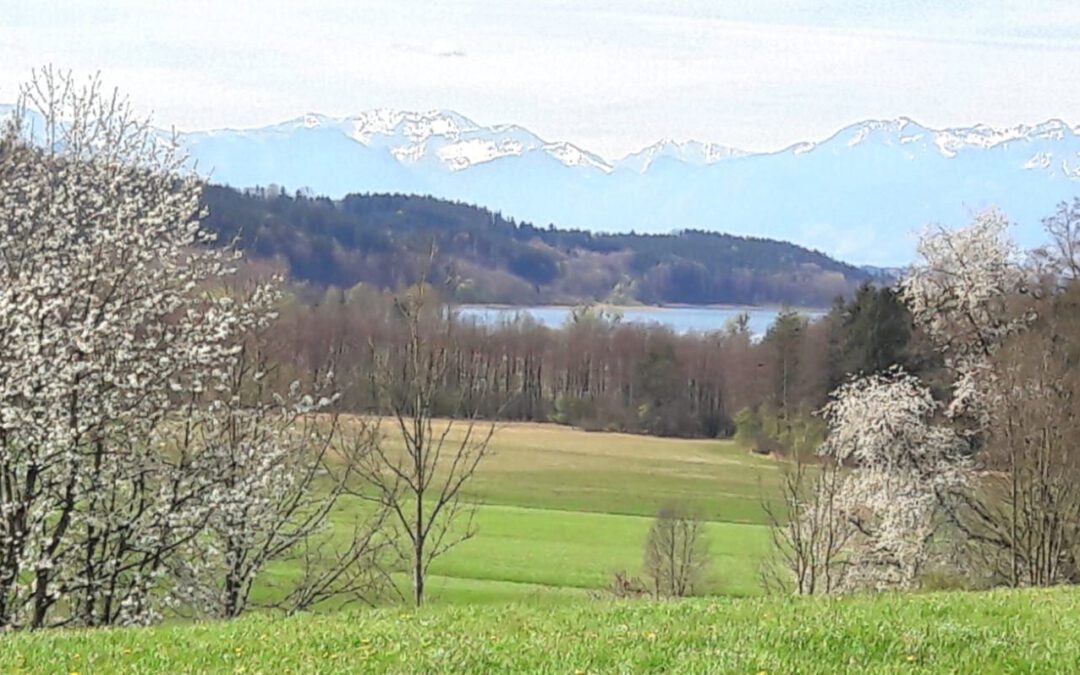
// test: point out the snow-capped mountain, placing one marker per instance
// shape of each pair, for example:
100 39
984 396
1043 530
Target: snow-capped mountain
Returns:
688 152
438 137
916 140
859 195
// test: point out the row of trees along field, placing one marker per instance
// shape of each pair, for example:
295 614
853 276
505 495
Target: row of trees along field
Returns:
600 373
929 427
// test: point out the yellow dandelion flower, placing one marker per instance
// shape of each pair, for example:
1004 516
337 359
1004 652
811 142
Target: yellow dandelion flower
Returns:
910 657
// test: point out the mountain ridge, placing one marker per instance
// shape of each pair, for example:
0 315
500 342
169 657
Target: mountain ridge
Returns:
860 194
455 125
452 124
448 123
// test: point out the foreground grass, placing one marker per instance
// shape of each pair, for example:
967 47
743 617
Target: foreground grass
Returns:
1018 631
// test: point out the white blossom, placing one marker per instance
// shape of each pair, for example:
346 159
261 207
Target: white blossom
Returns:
107 323
882 427
959 294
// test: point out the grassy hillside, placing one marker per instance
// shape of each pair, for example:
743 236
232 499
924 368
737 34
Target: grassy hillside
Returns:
381 240
562 509
1019 631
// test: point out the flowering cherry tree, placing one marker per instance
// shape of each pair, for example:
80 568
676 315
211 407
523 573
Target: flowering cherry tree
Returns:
101 263
1003 452
119 353
882 427
960 293
281 460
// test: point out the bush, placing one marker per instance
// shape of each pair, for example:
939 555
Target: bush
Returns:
764 432
676 553
573 410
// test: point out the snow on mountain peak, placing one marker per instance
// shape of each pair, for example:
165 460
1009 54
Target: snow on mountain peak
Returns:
571 155
414 126
948 142
454 140
893 175
688 152
465 153
982 136
902 130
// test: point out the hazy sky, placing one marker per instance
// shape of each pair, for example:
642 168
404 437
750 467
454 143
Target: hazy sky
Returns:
611 76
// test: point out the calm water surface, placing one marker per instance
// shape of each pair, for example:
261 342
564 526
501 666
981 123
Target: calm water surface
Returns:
679 319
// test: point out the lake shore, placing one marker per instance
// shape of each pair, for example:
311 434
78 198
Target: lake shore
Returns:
680 318
647 308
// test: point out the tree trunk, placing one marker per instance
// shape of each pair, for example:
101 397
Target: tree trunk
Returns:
418 554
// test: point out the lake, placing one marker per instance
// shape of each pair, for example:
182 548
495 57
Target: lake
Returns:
681 319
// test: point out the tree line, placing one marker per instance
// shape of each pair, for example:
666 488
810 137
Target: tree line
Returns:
599 372
484 257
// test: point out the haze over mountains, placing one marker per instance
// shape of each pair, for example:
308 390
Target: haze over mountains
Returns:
859 195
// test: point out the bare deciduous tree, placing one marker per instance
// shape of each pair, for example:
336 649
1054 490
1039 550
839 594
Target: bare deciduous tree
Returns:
810 533
421 480
676 553
1062 255
1026 514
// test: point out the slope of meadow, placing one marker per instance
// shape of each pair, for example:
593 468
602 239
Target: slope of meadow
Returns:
562 509
1003 631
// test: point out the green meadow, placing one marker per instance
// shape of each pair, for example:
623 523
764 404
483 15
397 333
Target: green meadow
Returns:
1032 631
560 510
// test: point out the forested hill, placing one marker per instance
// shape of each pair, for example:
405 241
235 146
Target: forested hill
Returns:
385 240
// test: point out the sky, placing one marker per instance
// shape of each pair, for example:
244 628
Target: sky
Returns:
611 76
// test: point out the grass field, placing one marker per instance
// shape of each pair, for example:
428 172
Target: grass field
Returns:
997 632
562 509
548 466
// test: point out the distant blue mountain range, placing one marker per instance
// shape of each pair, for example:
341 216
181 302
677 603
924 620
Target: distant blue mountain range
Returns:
860 195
